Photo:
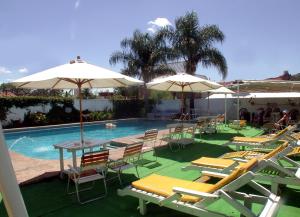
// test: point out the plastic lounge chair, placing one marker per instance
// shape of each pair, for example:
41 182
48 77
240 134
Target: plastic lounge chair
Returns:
93 167
187 138
130 158
270 162
256 142
262 151
237 124
194 197
173 138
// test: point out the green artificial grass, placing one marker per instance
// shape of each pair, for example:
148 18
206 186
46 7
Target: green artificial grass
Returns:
49 198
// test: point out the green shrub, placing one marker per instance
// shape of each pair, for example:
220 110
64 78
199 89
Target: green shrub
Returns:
33 119
58 115
101 115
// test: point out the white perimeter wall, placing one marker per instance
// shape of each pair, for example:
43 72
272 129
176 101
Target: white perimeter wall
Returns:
94 104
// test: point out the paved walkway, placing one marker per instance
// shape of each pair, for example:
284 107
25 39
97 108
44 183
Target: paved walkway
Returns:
29 170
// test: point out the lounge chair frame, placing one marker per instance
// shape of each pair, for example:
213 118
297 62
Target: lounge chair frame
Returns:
285 176
228 193
268 142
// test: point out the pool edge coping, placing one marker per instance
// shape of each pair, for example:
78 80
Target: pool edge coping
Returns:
11 130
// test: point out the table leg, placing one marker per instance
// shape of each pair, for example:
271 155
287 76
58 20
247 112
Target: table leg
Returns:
61 162
74 159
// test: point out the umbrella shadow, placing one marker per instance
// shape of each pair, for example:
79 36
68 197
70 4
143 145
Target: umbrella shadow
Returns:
219 136
193 151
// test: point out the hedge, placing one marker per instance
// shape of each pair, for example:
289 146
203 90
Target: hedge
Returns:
26 101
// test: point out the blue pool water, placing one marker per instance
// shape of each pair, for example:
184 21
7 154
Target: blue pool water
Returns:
39 143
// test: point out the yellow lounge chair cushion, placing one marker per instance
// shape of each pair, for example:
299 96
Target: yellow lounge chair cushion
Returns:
163 186
241 154
251 139
219 163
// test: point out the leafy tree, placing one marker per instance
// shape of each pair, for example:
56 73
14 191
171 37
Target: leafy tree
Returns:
46 92
7 87
144 56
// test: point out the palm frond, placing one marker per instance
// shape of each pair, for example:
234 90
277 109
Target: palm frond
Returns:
213 57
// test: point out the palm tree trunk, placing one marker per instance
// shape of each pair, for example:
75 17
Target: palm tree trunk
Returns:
190 68
146 99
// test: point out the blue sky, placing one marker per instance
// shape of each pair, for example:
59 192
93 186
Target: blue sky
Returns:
262 36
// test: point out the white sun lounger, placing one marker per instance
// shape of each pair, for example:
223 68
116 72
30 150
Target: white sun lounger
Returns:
193 197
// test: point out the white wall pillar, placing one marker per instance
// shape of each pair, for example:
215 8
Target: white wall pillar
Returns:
9 187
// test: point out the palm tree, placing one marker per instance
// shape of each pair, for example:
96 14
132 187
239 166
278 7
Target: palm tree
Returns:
194 44
144 56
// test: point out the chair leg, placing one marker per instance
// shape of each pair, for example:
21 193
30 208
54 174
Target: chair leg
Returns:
154 150
90 200
119 177
68 185
172 149
137 172
105 187
142 206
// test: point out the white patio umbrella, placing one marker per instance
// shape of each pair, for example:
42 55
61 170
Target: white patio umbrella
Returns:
225 91
76 75
182 82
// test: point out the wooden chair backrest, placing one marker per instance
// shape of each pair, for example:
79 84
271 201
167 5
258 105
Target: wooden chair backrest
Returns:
150 135
94 160
133 150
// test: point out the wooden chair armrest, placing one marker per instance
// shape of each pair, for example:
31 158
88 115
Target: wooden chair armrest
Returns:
73 170
214 174
194 193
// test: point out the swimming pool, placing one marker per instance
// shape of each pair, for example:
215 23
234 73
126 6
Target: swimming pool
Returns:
38 143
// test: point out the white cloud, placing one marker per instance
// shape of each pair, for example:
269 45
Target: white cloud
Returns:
23 70
76 5
4 70
157 24
160 22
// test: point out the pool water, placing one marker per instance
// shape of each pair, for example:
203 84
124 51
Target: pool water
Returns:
39 143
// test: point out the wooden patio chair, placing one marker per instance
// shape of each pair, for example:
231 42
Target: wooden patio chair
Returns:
150 137
129 159
93 167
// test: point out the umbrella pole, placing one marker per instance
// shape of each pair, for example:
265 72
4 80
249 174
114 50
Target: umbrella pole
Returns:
225 109
238 102
81 121
182 101
208 113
